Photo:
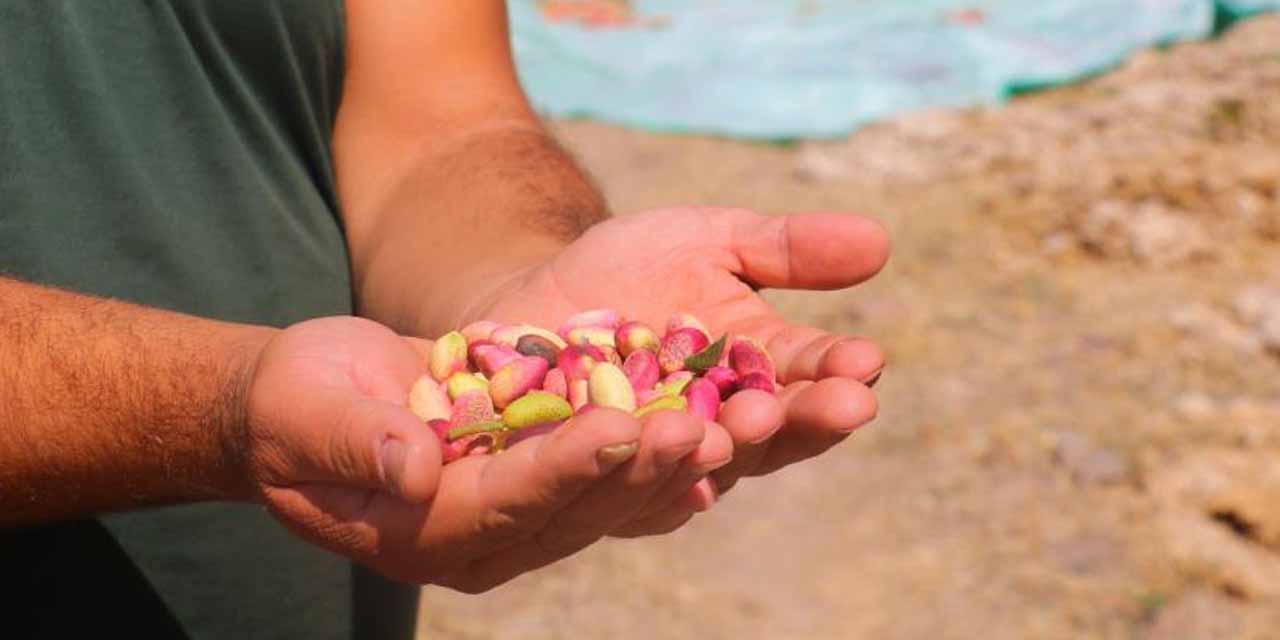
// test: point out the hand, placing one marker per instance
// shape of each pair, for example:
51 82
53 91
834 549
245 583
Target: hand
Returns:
333 452
710 262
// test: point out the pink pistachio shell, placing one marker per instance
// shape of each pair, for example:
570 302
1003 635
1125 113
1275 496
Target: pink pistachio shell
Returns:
704 399
642 370
470 408
687 321
678 345
441 429
634 336
449 451
748 356
576 361
725 379
489 358
556 382
517 378
756 380
579 393
647 396
471 346
479 331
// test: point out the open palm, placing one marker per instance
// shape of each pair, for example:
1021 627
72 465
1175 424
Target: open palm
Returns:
710 262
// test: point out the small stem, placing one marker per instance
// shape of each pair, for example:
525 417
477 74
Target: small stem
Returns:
479 427
500 440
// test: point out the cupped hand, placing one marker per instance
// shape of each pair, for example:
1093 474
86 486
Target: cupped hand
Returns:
712 263
331 449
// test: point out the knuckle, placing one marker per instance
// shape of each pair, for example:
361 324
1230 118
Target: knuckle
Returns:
509 523
336 455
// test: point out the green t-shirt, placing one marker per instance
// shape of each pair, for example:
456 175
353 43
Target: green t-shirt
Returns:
175 153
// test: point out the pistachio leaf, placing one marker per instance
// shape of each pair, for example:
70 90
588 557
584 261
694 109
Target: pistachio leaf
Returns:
707 358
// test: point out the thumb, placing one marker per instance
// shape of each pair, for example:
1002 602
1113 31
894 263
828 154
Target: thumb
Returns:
379 445
423 348
805 251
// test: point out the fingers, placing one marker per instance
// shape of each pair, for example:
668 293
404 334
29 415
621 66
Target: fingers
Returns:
806 353
657 524
716 450
372 445
409 459
422 347
751 418
531 481
819 416
667 437
489 503
483 504
329 516
808 251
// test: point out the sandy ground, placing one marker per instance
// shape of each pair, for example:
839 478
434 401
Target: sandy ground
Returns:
1080 426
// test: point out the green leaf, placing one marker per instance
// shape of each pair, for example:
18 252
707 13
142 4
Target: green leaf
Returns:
707 358
473 429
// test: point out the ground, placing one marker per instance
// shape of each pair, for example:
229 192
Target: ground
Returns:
1080 424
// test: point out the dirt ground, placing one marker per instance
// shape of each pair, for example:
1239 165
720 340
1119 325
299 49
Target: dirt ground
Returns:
1080 425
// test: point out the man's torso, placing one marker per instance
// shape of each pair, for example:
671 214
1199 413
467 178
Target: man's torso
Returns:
175 153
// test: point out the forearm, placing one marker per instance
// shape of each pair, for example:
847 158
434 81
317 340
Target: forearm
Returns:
468 216
109 406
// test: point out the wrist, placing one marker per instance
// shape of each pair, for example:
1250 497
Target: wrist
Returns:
471 293
243 349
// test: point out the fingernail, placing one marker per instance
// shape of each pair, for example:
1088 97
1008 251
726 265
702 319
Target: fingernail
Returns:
712 495
874 379
708 467
703 503
394 454
762 439
615 454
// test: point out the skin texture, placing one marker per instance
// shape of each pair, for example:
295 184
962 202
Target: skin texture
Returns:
107 406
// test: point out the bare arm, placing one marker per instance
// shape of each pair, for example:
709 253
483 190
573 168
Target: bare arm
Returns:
108 406
449 184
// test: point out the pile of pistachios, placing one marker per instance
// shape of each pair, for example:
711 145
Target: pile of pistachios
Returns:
491 384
